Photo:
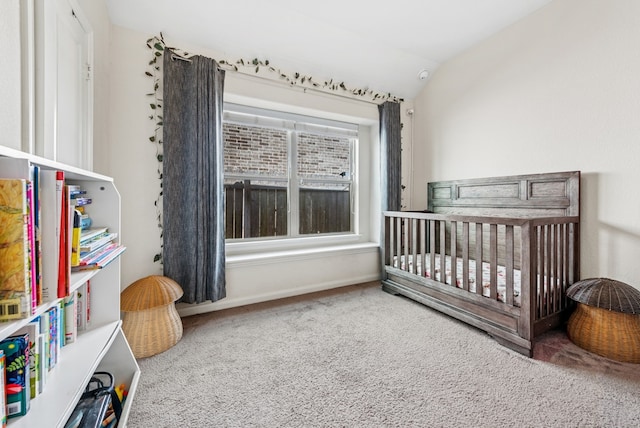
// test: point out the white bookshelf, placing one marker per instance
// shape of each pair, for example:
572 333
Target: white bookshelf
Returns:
103 345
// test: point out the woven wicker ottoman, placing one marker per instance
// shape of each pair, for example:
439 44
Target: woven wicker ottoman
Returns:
606 320
150 321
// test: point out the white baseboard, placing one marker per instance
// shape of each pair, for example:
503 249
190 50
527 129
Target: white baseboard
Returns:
185 309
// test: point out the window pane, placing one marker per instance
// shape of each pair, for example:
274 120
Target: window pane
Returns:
321 156
254 150
255 208
325 208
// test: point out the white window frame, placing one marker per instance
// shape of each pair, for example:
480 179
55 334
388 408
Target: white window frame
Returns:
254 116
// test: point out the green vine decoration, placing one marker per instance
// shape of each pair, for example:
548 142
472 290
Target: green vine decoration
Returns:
298 79
157 46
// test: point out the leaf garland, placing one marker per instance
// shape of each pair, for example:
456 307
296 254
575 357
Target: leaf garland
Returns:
298 79
157 46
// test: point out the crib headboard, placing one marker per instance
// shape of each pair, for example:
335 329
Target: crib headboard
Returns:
534 195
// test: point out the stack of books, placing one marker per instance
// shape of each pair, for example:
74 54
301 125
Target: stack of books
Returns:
96 248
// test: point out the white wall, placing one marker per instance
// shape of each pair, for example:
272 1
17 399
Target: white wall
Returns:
252 278
557 91
97 14
11 77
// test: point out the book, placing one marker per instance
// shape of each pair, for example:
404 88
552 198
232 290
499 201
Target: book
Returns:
50 207
33 330
82 201
101 261
22 169
75 238
37 219
45 352
87 234
41 366
16 351
71 317
54 342
66 231
32 247
85 221
97 242
15 271
3 394
82 304
89 257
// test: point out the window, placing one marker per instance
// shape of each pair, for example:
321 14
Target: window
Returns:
287 175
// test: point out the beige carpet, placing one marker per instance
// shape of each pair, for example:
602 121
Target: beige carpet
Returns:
359 357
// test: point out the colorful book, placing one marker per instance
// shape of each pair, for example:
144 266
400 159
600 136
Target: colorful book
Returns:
97 242
75 238
3 394
37 219
86 258
54 332
101 261
71 317
33 330
32 248
82 201
15 271
64 259
16 351
88 234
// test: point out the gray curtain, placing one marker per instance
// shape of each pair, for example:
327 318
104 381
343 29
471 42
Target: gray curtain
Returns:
390 155
193 198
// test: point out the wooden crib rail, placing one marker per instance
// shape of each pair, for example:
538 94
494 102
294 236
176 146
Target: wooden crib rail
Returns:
545 250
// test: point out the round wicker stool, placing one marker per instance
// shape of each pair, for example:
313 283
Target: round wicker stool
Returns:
607 318
150 322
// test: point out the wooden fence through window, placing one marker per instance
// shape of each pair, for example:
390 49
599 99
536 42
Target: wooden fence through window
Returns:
261 211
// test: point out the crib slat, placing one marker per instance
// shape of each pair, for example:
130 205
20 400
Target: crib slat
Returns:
443 252
559 264
398 226
454 252
509 264
405 241
392 241
541 272
479 258
414 245
432 249
554 267
547 272
493 261
538 273
465 256
423 249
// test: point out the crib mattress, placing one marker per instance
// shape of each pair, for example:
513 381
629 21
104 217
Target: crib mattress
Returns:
436 274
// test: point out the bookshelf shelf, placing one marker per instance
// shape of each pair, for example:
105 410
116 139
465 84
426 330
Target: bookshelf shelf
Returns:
102 346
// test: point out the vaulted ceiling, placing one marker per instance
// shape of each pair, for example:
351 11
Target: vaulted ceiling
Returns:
382 46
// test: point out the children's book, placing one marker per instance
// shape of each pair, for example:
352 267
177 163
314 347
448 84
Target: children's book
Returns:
16 351
3 395
33 330
15 270
75 239
82 300
50 208
71 317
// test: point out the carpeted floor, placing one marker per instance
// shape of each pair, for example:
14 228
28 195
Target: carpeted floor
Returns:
359 357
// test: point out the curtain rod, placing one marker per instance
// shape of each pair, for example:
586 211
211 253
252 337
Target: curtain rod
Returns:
305 88
175 56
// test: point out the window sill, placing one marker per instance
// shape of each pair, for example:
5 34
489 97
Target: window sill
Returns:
271 255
